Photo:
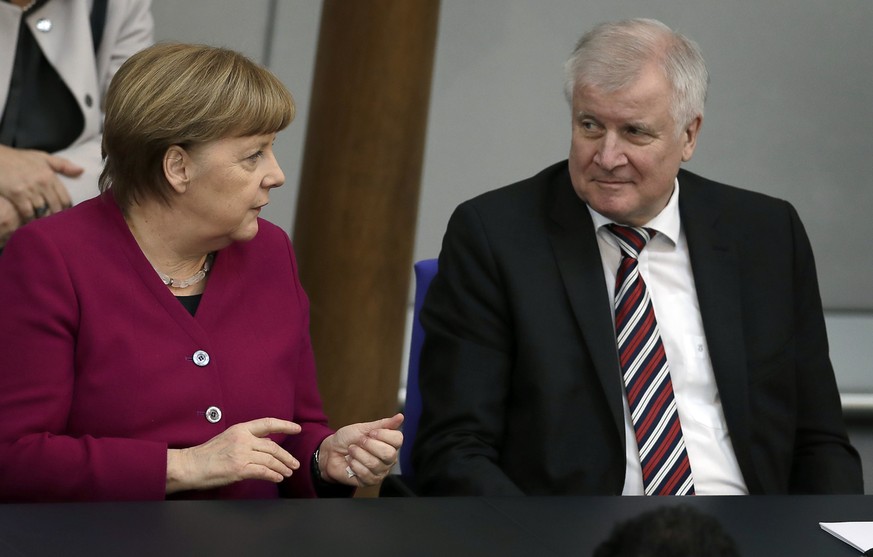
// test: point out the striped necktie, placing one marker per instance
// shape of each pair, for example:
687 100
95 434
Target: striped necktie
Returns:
665 466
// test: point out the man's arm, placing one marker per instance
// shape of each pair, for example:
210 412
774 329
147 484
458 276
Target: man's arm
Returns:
465 369
824 460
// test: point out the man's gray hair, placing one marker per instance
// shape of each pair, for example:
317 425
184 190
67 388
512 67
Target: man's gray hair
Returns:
612 55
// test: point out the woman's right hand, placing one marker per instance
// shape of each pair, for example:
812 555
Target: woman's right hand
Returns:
241 452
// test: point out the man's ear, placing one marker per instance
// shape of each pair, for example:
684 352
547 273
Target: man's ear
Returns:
689 137
177 168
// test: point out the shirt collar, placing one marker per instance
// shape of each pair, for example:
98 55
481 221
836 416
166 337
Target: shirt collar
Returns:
667 222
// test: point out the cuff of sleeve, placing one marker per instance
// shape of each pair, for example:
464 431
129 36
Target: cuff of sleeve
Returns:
323 488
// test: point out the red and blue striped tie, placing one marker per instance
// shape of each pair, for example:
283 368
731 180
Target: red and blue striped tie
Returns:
664 461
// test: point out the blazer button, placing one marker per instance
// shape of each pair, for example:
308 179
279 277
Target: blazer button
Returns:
213 414
88 101
201 358
44 25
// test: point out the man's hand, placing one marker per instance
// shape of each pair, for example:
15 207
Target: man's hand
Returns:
29 179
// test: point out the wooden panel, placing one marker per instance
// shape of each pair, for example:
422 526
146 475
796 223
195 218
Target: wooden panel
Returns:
358 201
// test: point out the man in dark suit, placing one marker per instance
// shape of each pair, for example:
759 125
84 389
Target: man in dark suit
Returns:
546 310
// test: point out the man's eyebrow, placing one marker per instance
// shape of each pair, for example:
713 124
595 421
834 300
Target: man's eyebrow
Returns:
642 126
584 114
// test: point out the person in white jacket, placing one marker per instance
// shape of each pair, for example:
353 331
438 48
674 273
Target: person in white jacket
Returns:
56 60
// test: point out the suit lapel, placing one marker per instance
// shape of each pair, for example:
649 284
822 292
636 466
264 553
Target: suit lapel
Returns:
578 259
715 266
79 67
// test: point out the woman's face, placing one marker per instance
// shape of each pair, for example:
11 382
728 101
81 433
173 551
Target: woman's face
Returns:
230 182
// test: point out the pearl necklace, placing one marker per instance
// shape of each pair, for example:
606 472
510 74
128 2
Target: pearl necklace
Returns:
190 281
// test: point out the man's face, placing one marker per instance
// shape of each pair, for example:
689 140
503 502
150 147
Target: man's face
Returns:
625 152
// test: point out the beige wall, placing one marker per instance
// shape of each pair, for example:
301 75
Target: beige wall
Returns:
789 112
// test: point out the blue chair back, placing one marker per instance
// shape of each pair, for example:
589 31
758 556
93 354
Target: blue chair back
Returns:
424 272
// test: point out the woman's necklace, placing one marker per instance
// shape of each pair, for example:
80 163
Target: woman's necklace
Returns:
192 280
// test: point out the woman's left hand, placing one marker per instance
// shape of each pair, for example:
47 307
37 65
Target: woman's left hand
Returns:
361 454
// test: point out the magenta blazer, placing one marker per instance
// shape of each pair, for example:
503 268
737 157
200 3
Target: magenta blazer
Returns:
102 369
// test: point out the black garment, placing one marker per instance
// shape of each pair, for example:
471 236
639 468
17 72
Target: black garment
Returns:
41 112
191 303
519 374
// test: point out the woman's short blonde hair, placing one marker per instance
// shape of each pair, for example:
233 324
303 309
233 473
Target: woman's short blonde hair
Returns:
182 94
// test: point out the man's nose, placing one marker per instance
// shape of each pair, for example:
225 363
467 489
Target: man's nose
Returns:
610 153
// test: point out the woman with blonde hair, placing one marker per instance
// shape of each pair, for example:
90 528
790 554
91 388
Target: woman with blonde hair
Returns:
154 340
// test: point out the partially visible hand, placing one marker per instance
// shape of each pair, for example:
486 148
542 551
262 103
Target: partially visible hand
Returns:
29 179
241 452
367 449
9 220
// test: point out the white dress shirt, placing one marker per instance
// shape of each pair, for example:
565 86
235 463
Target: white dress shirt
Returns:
666 269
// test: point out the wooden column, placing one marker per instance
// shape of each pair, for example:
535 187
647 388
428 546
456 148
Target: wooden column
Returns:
358 202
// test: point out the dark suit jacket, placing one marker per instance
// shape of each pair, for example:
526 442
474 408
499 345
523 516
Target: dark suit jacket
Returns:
519 372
